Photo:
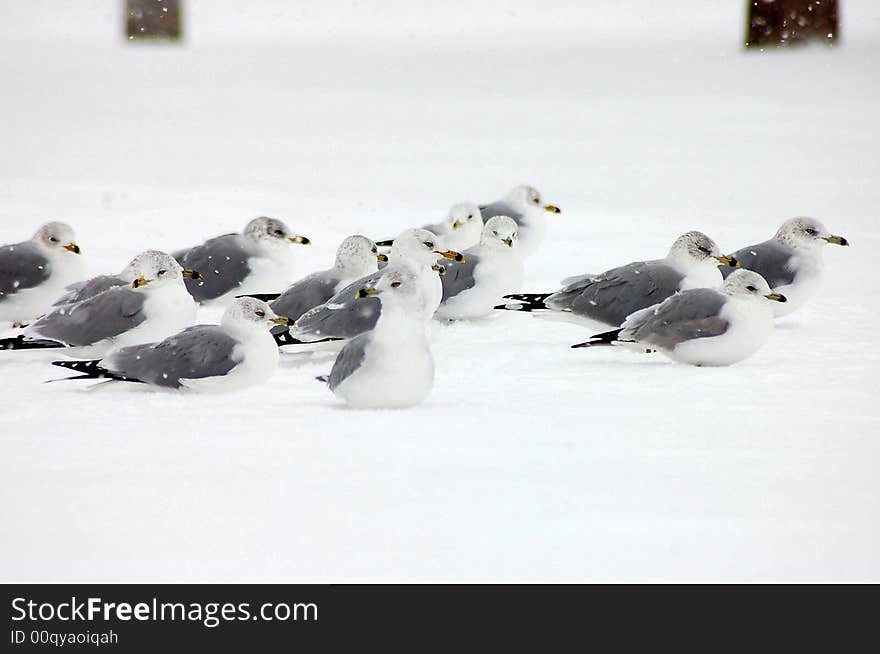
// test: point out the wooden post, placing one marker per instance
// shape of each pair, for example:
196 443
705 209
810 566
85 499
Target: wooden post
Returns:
780 23
152 20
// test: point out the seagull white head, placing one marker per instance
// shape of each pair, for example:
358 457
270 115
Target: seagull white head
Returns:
528 199
153 269
749 284
420 247
398 287
500 233
271 231
695 249
358 256
247 314
804 233
465 216
56 238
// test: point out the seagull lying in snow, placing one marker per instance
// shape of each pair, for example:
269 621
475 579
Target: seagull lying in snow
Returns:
608 298
703 326
256 261
34 273
152 306
237 353
525 206
791 261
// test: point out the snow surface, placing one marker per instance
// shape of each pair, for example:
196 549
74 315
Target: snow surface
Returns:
529 461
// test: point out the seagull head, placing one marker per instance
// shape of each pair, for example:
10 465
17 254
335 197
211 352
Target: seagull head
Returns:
695 249
421 248
804 233
153 269
271 231
56 238
500 233
248 314
466 218
358 256
748 284
528 199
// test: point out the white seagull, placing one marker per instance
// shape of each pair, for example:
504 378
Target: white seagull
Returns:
490 270
390 366
34 273
703 326
238 353
258 260
791 261
151 307
525 206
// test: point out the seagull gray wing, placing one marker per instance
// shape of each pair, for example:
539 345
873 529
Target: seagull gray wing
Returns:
613 295
90 288
683 317
769 259
349 360
106 315
501 208
306 294
459 277
22 266
223 263
195 353
342 316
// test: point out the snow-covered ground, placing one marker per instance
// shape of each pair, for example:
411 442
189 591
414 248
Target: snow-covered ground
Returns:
529 461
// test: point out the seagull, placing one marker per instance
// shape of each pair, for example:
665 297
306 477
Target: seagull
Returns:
238 353
460 229
490 270
525 206
344 316
155 305
255 261
608 298
356 257
136 268
34 273
791 261
703 326
390 366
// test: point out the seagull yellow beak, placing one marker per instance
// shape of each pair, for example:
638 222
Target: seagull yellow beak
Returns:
192 274
837 240
508 241
366 291
451 254
456 224
728 260
73 247
281 320
382 257
552 208
776 297
140 281
302 240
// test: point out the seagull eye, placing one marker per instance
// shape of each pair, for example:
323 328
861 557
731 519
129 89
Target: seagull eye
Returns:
53 239
162 272
495 233
395 284
261 313
470 216
429 244
279 232
751 288
536 200
810 231
704 250
375 250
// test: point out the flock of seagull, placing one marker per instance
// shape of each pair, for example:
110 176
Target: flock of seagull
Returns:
697 305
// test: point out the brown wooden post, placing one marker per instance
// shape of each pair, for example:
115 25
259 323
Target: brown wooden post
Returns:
779 23
152 19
